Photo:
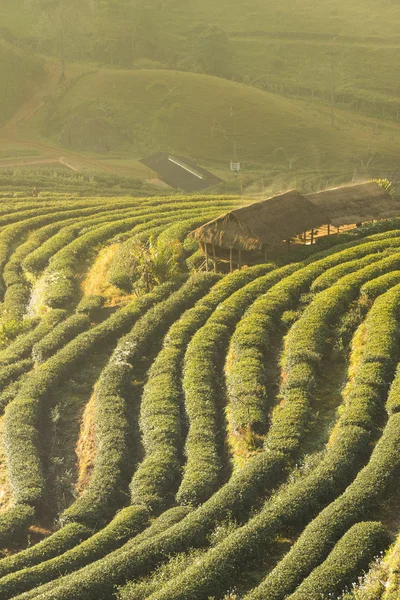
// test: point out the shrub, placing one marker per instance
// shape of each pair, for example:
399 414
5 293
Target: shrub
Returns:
362 497
125 525
351 556
22 346
60 336
114 396
160 420
58 543
91 549
22 418
90 305
374 288
14 525
201 384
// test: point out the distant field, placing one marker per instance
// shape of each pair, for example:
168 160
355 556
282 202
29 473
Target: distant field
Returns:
285 48
196 114
19 73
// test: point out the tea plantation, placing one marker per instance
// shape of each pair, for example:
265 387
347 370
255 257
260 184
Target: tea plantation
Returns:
188 434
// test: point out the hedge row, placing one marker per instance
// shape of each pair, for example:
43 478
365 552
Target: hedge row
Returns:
60 275
140 556
144 587
10 373
22 418
245 367
60 336
114 399
37 259
22 346
10 391
372 289
120 273
381 350
158 526
363 497
127 523
307 337
13 269
349 559
14 524
298 502
331 276
156 478
58 543
203 370
90 305
17 288
235 498
11 233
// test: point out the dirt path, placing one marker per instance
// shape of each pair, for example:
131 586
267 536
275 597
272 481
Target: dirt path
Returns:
17 131
27 162
34 102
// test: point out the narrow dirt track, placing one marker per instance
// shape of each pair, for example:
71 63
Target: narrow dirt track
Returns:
17 128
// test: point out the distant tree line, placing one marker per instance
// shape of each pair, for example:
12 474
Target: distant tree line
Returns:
126 33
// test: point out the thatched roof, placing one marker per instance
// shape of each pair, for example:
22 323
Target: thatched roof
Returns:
356 204
265 223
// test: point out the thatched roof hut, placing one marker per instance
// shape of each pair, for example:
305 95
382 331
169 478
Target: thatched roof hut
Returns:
356 204
262 225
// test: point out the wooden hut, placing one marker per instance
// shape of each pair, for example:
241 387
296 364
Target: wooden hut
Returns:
356 204
246 234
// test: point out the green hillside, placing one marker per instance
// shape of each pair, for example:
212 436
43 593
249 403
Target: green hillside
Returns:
284 49
145 111
18 74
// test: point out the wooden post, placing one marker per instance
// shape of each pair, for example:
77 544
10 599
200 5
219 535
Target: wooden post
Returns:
206 253
312 236
240 258
329 229
231 259
338 229
305 236
214 258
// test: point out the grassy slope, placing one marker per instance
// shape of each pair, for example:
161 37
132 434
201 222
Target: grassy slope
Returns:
286 45
190 113
18 70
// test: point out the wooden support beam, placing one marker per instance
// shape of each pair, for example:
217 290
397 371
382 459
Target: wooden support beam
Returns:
206 253
312 236
214 258
329 229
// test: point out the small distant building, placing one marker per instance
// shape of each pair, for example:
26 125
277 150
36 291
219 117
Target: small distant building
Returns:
248 234
180 173
356 204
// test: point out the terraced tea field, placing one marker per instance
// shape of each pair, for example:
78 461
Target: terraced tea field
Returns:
230 436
